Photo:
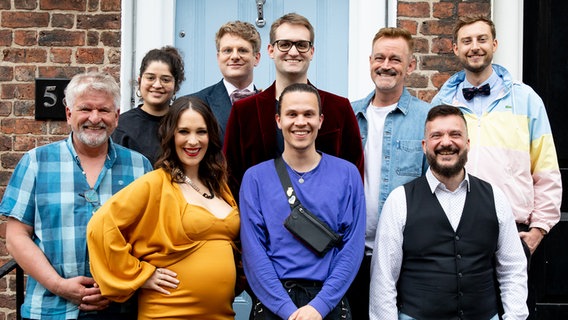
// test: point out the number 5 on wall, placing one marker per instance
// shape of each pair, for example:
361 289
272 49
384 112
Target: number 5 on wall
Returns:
49 94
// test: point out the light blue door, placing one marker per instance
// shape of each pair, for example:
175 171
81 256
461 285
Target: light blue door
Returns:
197 21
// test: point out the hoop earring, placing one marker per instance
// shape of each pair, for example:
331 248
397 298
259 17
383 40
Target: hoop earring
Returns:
138 93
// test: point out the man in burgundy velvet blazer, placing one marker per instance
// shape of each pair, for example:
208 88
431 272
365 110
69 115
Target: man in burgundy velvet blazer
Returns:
251 133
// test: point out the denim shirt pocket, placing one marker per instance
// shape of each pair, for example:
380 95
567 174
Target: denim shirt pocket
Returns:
409 157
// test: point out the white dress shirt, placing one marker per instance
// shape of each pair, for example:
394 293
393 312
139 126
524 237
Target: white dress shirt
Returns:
511 262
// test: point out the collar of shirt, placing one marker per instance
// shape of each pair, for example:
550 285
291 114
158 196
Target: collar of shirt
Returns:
434 183
480 103
230 87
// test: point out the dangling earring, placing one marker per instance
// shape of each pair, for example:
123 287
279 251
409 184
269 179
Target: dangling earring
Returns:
138 93
173 99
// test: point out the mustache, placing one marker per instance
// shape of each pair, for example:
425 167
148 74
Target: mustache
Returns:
447 149
89 124
388 72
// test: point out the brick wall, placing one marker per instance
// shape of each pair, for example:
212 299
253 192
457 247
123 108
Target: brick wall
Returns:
45 39
60 38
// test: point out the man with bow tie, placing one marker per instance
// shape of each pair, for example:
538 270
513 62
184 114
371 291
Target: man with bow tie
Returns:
511 140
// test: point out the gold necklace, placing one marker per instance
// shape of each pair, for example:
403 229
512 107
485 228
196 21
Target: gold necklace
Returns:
196 188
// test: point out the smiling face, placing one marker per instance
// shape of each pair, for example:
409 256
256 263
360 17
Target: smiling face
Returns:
292 62
446 145
299 120
191 139
475 47
157 85
390 62
92 118
237 60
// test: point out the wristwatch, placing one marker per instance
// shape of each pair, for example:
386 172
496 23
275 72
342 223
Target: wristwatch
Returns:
542 231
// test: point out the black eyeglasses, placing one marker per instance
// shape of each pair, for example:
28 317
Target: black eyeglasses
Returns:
285 45
91 197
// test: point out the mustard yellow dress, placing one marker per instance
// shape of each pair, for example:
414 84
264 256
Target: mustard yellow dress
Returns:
149 225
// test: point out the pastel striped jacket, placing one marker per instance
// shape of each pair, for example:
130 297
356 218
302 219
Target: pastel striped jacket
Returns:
511 146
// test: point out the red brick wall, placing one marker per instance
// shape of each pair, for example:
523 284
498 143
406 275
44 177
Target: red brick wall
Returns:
60 38
45 39
431 22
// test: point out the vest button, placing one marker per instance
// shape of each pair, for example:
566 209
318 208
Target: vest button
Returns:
459 256
457 238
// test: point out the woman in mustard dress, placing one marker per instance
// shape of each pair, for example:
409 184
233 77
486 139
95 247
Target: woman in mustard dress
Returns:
169 234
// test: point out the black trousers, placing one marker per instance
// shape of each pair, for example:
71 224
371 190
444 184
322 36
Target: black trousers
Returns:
358 293
301 292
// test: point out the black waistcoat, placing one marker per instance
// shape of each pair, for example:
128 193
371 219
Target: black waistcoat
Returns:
449 274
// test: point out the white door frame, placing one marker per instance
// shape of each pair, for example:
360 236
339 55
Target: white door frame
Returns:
148 24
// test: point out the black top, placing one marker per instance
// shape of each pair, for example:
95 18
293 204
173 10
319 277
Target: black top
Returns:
138 130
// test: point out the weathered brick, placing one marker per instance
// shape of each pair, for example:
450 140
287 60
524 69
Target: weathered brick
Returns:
59 72
24 73
5 175
24 108
110 38
93 5
421 45
98 21
90 55
5 4
92 38
24 143
6 73
67 5
443 10
416 80
21 19
25 4
25 37
18 91
410 25
58 128
61 38
437 27
442 45
414 9
114 56
5 143
10 159
23 126
440 78
60 55
471 8
441 63
24 55
113 71
5 108
110 5
426 95
66 21
5 37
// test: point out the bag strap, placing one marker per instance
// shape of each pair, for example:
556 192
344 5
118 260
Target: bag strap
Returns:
286 183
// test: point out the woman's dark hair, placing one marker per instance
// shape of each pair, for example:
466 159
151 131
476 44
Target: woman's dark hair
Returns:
170 56
213 168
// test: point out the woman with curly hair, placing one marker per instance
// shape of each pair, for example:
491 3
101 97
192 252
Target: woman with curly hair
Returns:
170 234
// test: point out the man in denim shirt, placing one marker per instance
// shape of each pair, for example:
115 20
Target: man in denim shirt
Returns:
391 122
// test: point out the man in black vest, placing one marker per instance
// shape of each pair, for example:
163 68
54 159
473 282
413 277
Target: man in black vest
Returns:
447 242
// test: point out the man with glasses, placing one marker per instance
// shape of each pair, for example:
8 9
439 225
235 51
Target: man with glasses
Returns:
252 136
238 52
52 194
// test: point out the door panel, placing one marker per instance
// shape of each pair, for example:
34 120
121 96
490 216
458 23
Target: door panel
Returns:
197 21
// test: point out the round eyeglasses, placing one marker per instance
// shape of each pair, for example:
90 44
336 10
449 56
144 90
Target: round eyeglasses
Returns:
285 45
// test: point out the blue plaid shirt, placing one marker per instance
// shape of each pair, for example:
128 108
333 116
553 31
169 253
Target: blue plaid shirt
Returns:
47 191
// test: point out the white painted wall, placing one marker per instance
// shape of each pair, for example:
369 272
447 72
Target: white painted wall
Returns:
508 19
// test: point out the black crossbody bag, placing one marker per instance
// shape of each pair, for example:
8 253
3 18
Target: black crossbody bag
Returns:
304 225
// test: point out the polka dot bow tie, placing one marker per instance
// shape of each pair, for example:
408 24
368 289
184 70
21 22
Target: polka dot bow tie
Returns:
469 93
